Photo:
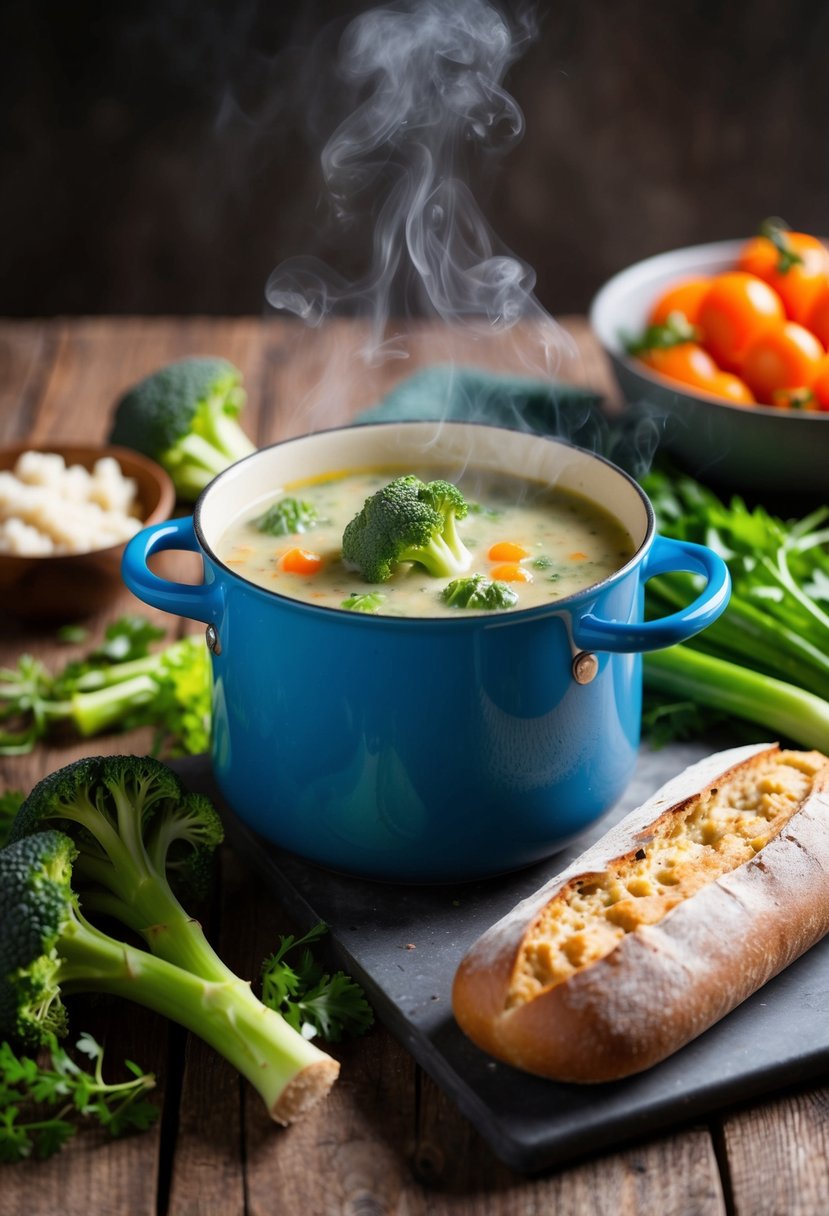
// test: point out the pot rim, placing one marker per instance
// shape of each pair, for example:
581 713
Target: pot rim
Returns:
512 615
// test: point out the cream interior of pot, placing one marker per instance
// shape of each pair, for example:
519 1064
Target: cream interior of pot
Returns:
409 447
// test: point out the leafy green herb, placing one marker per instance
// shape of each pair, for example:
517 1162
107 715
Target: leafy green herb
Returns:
766 659
676 330
311 1000
118 685
40 1102
70 635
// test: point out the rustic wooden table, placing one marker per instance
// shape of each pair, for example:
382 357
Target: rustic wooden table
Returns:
387 1140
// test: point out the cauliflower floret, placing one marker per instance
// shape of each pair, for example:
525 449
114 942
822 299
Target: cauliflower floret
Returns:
40 468
46 507
23 540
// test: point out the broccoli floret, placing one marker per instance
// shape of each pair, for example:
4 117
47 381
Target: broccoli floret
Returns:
138 832
185 416
48 947
288 517
368 602
408 521
477 591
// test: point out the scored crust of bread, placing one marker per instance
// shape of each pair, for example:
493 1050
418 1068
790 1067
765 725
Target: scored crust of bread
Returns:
674 917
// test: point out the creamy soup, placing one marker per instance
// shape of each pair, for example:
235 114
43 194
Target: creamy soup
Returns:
544 543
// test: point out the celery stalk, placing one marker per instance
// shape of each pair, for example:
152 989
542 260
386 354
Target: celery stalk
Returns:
784 709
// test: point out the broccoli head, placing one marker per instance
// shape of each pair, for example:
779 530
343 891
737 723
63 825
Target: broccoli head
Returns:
478 592
408 521
48 947
38 909
141 839
185 416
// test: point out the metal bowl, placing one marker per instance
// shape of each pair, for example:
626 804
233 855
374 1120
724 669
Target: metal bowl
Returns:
744 447
69 587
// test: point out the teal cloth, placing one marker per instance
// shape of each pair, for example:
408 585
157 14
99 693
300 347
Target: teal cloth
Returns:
447 393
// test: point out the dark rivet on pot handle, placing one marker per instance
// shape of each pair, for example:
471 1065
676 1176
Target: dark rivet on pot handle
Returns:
211 635
585 667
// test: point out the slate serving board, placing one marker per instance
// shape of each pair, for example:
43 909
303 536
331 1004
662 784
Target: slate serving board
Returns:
403 943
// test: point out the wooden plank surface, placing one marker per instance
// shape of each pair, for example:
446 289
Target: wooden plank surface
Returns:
387 1140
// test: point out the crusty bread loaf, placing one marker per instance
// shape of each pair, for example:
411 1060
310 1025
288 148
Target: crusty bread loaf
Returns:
679 913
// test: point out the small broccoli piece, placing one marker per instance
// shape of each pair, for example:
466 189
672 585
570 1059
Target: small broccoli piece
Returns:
369 602
48 948
408 521
185 416
288 517
477 591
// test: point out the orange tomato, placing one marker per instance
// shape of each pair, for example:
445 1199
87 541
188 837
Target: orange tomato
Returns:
818 319
736 309
731 388
793 263
684 298
686 362
783 358
820 385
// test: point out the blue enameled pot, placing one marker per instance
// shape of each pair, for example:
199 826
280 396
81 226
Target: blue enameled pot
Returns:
426 749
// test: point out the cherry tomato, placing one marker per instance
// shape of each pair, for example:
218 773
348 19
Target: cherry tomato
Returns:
736 309
783 358
793 263
820 385
818 319
684 298
686 362
731 388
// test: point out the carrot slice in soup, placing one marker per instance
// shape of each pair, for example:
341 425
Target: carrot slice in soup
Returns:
301 561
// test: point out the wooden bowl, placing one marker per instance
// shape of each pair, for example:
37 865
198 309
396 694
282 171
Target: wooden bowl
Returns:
69 587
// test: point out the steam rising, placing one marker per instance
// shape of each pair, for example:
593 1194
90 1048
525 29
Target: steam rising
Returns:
426 79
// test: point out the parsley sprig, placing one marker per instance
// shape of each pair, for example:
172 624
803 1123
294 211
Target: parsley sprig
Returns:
40 1101
312 1001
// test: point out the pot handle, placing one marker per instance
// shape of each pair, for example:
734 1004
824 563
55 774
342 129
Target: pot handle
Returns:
664 557
200 602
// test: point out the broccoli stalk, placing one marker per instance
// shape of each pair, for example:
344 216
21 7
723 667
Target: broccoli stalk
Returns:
185 416
408 521
732 689
48 947
138 831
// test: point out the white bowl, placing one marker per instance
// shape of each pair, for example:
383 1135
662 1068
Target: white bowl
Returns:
752 447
